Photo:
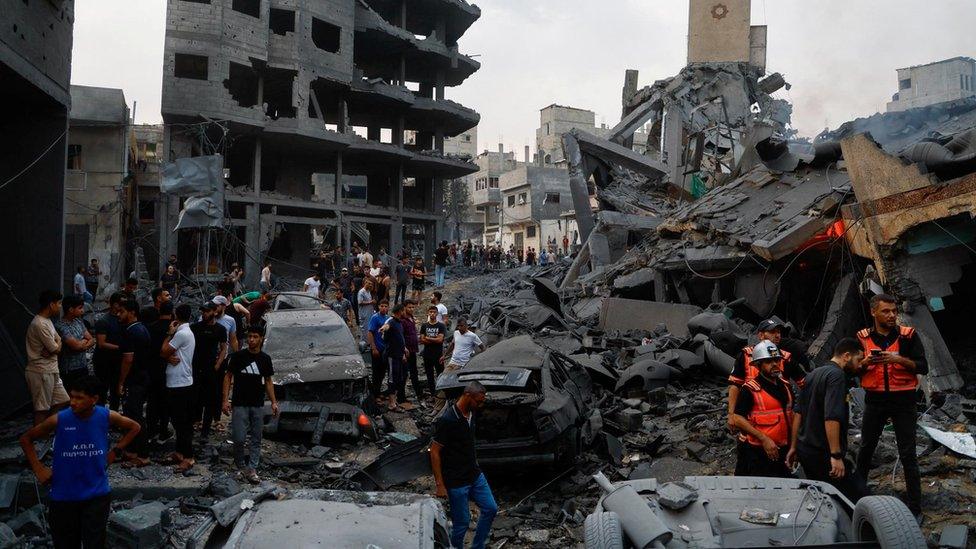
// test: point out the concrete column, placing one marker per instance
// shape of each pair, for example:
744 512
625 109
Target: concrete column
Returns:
373 133
396 236
402 15
338 178
398 187
338 229
398 131
252 258
256 176
402 73
439 85
439 140
343 125
527 159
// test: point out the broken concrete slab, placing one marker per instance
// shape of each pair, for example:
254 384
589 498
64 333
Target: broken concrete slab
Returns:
676 495
632 314
138 528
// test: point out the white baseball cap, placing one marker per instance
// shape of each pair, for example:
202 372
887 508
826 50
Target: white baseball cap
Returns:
220 300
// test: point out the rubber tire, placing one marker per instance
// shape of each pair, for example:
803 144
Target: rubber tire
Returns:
603 531
887 521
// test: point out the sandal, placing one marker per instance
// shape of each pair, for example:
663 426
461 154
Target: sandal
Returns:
184 466
134 462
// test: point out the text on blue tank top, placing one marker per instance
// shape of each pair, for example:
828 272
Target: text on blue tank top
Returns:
80 451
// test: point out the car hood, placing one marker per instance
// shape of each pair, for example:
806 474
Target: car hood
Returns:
495 379
318 368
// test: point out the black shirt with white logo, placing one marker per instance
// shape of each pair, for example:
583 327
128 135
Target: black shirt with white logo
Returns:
249 370
433 330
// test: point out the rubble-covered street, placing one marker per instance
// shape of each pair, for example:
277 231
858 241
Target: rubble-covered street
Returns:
298 304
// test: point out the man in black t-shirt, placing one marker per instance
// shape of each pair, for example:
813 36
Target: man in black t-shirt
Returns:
455 466
107 360
440 264
821 420
432 334
157 415
137 358
208 354
249 371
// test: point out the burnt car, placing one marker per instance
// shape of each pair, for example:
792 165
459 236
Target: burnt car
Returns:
539 408
719 511
338 518
320 377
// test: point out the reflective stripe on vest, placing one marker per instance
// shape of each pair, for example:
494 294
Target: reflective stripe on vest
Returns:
889 376
769 416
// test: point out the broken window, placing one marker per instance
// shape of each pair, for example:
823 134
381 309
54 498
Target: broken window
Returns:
530 231
242 85
493 182
325 36
74 157
511 200
522 197
247 7
905 84
552 198
190 66
281 21
278 84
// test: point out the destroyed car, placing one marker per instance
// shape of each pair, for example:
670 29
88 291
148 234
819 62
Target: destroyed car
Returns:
717 511
339 518
320 377
539 408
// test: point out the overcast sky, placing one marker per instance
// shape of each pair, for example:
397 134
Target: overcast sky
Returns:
839 55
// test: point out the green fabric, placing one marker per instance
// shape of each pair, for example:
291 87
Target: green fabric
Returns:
697 186
249 296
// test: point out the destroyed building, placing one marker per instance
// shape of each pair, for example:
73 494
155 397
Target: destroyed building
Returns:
35 69
290 94
934 83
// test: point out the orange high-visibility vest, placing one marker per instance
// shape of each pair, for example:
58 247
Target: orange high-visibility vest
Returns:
768 415
888 376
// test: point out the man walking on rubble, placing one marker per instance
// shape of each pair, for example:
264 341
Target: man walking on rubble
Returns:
464 345
763 416
250 373
80 495
455 465
821 419
744 370
893 360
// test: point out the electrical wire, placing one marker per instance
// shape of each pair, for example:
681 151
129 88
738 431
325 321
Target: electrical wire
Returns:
730 273
956 238
35 161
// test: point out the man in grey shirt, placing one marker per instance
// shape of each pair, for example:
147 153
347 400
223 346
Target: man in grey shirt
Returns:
343 308
76 341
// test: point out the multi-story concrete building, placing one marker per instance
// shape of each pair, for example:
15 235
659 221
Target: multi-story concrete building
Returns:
463 145
485 194
554 121
35 72
298 95
932 83
535 202
98 198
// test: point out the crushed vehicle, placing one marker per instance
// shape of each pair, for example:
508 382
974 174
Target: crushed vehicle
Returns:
339 518
540 407
718 511
320 377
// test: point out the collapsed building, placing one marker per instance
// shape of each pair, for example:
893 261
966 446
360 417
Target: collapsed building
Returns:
307 105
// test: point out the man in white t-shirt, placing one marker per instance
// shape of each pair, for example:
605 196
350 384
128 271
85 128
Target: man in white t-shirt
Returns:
365 259
435 300
177 352
266 275
313 285
376 269
464 346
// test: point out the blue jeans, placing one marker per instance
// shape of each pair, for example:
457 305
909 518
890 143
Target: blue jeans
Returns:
88 297
439 271
480 494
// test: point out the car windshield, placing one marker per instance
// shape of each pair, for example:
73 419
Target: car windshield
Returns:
296 301
317 340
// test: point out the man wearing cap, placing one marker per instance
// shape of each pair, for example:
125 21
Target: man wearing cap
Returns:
893 360
744 370
209 351
227 322
763 416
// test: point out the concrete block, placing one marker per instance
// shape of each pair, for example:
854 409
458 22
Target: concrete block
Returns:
955 536
635 314
136 528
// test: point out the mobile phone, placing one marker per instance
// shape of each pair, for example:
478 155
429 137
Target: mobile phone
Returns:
876 352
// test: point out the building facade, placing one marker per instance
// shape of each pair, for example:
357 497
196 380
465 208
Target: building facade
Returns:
35 72
933 83
721 32
486 195
554 121
310 104
536 207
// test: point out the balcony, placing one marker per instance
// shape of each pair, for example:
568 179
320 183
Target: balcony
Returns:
489 195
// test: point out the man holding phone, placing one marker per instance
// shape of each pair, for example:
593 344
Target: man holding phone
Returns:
893 360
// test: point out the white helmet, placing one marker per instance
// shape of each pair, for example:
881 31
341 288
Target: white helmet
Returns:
765 350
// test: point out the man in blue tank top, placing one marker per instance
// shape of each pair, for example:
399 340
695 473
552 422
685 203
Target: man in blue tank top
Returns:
78 476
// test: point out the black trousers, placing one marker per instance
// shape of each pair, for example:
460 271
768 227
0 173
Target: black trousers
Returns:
157 411
411 365
397 382
207 406
900 409
432 367
401 293
70 377
77 524
181 401
107 370
752 461
816 466
380 367
133 407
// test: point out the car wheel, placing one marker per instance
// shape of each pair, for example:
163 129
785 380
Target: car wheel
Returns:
603 531
888 522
